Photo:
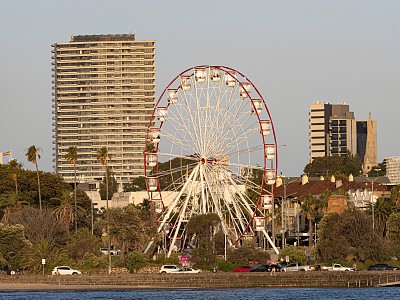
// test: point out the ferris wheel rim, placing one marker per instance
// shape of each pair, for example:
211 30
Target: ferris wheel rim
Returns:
250 98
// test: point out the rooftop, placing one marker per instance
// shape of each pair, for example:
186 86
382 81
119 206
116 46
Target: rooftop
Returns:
103 37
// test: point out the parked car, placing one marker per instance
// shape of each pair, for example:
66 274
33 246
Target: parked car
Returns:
243 269
337 267
382 267
65 270
296 267
189 270
267 268
262 268
169 269
112 252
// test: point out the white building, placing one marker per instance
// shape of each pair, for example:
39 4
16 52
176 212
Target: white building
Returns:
393 169
104 95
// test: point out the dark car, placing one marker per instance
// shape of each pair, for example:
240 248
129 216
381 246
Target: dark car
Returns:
267 268
242 269
382 267
262 268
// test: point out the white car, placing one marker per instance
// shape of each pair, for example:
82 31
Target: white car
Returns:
112 252
169 269
65 270
188 270
296 267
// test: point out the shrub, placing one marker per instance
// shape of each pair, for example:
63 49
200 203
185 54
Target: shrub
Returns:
135 261
91 262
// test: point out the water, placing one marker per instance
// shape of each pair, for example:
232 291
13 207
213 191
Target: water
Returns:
217 294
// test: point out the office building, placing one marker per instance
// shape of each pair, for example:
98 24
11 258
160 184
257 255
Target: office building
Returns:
335 131
104 95
393 169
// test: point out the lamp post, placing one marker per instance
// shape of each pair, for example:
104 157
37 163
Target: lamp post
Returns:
372 198
285 182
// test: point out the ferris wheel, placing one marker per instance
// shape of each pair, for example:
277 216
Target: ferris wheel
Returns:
211 148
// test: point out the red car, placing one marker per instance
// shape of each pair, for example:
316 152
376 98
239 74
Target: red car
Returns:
243 269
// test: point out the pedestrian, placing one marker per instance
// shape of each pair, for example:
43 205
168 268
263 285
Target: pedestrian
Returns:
355 267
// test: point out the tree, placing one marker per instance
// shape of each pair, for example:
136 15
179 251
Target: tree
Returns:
33 154
67 209
103 157
14 168
334 165
110 183
10 203
137 184
203 228
378 170
40 225
247 253
72 157
383 208
349 233
308 206
296 254
135 261
13 245
81 243
128 229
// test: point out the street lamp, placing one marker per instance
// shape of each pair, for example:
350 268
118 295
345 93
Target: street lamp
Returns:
284 206
372 198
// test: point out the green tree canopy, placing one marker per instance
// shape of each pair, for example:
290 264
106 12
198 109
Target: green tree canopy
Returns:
334 165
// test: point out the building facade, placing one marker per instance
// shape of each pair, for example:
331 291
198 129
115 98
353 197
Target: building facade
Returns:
104 95
393 169
335 131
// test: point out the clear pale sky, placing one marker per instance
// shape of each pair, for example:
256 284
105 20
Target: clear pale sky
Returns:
295 52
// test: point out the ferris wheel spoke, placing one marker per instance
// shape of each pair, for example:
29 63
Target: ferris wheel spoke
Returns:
225 190
234 133
179 143
212 143
245 150
184 212
191 130
224 117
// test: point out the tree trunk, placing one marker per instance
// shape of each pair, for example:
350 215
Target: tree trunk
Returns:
310 233
38 180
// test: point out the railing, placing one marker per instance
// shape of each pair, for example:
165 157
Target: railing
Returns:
375 281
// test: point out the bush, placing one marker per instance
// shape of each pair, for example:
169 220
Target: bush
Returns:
91 263
296 254
135 261
225 266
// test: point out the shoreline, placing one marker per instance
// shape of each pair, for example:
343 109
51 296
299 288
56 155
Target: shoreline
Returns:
199 281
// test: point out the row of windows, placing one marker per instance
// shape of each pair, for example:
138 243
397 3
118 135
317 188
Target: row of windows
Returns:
60 78
108 82
94 70
339 122
106 45
92 55
100 88
338 129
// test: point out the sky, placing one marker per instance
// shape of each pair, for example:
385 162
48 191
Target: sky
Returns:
295 53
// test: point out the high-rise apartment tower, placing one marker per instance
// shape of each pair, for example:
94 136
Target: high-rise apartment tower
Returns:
104 95
334 131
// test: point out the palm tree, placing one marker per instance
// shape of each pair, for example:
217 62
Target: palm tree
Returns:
72 157
14 168
33 155
10 203
308 206
103 157
67 210
383 208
